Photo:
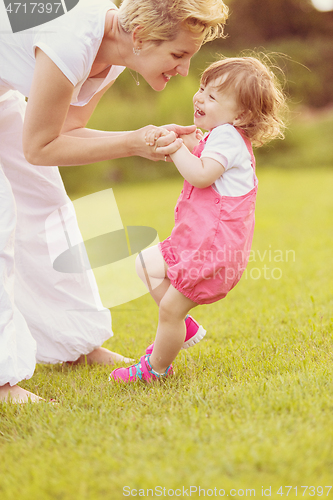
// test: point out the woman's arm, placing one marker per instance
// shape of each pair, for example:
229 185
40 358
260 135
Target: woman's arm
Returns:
199 172
54 132
78 117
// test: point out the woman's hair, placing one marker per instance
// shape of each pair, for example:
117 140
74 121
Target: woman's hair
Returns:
258 92
160 20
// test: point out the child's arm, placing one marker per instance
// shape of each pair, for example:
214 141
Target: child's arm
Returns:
199 172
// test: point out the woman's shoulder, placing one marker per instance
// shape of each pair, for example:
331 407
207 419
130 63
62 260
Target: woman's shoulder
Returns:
86 20
72 40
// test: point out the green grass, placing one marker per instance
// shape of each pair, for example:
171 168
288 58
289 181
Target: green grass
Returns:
251 406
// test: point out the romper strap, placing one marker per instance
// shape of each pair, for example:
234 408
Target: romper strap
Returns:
248 145
250 150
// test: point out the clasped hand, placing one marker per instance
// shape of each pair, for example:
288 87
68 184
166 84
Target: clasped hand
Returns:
166 141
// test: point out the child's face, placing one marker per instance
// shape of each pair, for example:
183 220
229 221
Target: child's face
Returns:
213 107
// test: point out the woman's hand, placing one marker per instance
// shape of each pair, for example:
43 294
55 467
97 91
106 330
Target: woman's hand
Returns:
168 139
154 133
180 130
154 143
163 141
190 135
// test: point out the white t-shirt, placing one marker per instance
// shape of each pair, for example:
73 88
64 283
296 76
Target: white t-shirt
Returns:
71 41
226 146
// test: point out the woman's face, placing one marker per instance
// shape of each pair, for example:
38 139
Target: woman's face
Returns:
158 63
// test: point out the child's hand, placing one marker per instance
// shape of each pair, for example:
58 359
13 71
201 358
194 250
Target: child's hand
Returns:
164 141
192 140
155 133
199 134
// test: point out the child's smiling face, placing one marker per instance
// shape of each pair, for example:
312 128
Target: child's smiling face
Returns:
213 107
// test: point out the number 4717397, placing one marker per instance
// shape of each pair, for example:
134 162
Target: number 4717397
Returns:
31 7
301 490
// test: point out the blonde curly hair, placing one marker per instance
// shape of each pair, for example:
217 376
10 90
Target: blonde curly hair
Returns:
160 20
258 92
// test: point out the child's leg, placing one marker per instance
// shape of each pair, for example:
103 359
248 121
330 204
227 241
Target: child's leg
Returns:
171 330
173 308
152 270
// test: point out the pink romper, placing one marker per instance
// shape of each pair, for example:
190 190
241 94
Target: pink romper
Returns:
210 244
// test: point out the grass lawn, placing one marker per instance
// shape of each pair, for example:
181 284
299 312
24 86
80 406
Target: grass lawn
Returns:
250 407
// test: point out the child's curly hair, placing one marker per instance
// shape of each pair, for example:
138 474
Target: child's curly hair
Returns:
259 95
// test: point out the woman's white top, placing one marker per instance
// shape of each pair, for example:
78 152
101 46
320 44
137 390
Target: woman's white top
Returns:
71 41
226 146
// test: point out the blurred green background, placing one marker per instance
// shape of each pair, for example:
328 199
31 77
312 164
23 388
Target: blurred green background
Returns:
300 39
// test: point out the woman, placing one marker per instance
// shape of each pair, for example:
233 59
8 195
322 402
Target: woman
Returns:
64 67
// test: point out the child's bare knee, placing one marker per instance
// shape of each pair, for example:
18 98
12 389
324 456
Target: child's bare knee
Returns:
167 308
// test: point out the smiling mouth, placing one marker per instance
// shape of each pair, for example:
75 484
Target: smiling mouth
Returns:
198 112
166 76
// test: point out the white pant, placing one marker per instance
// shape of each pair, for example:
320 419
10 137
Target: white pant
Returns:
45 316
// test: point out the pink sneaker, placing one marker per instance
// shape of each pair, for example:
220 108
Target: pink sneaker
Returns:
140 371
194 333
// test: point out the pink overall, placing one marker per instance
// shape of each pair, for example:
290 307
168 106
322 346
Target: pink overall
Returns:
210 244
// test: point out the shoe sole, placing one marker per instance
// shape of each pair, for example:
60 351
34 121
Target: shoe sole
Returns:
195 339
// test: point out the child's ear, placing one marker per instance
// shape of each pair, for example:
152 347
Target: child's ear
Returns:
237 121
240 118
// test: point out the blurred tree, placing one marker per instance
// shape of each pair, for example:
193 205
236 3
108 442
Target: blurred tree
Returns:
258 21
294 28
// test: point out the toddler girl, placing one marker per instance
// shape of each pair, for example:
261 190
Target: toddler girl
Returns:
239 103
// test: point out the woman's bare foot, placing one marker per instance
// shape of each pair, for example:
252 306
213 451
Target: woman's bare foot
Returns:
15 394
101 356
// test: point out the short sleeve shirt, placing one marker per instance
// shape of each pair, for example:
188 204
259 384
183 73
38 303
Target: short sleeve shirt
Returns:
70 41
226 146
